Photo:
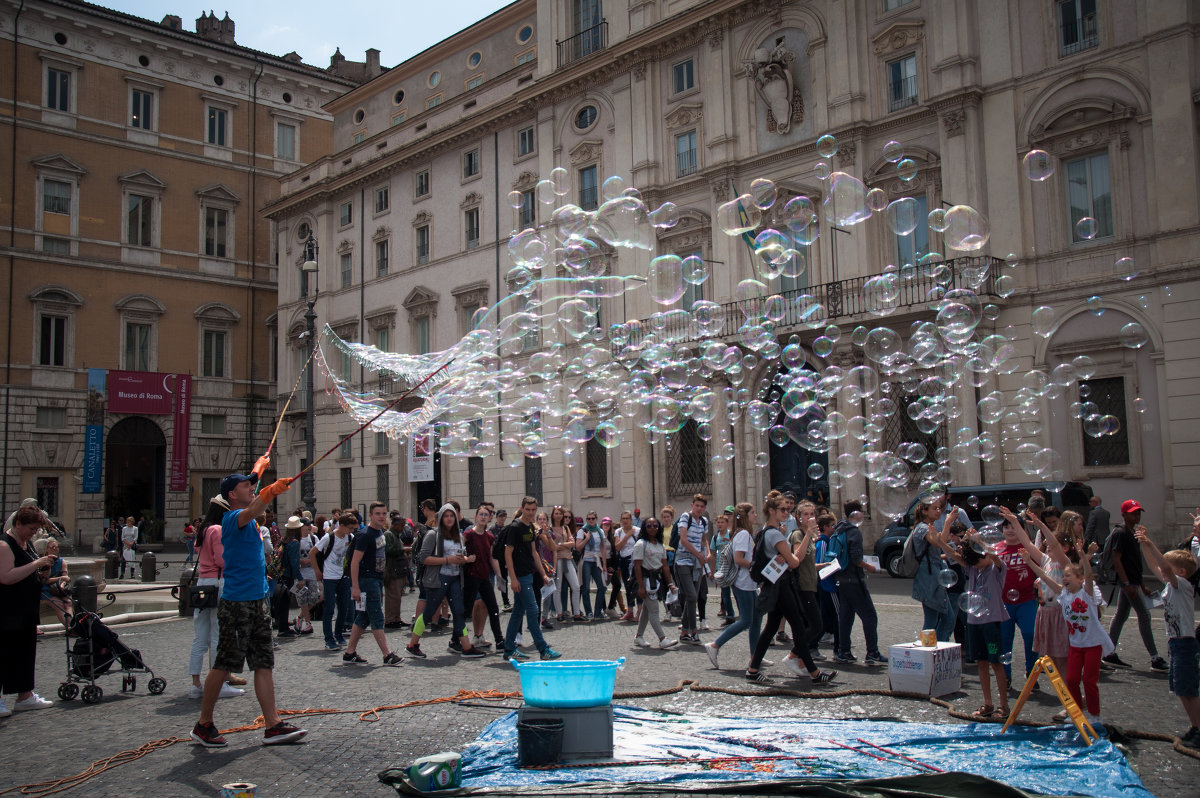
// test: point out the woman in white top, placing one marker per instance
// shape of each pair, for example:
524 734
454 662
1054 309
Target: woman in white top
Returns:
745 589
653 578
564 565
627 536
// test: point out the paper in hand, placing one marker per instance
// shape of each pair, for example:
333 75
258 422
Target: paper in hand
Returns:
774 569
829 569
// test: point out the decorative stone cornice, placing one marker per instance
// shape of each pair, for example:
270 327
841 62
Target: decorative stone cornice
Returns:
381 232
525 181
847 152
424 217
586 152
952 122
898 37
684 116
472 200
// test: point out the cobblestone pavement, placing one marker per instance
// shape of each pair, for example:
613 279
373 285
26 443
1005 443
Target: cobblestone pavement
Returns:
342 754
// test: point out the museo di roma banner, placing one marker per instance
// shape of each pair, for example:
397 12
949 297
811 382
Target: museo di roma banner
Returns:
146 393
182 412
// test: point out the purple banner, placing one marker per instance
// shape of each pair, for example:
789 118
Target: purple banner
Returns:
183 422
144 392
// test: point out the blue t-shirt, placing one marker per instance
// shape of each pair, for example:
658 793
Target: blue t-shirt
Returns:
245 564
372 543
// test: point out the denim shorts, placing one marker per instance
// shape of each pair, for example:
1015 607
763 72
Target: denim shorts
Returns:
372 592
983 642
1184 675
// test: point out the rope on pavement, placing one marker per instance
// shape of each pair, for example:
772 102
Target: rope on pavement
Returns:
52 786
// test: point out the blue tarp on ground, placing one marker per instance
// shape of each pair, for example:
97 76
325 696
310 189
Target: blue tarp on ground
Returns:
1049 761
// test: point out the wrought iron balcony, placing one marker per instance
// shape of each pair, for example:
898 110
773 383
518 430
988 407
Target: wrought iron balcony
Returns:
583 44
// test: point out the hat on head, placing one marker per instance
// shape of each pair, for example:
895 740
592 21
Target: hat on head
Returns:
729 508
1130 506
502 513
306 515
220 501
295 522
606 518
232 481
636 511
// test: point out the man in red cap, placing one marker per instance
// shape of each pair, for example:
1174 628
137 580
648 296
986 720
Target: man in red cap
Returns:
1127 562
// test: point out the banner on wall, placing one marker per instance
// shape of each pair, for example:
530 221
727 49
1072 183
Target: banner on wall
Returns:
146 393
182 413
93 447
420 456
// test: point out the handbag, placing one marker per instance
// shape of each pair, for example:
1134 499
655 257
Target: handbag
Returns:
203 597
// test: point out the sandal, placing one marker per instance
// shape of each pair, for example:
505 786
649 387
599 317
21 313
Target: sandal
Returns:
985 712
1001 713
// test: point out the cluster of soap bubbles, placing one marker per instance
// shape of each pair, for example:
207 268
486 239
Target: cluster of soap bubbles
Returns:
544 368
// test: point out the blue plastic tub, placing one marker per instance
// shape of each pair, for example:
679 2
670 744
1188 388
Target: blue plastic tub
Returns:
568 683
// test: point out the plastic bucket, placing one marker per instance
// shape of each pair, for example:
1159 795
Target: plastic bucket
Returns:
568 683
539 741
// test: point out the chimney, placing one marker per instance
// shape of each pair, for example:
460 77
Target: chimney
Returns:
226 30
336 60
372 67
173 22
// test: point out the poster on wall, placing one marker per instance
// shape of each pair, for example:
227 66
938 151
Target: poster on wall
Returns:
182 401
420 456
144 392
93 447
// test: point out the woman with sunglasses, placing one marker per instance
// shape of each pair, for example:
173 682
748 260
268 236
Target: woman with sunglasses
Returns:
591 540
613 570
564 562
749 619
653 578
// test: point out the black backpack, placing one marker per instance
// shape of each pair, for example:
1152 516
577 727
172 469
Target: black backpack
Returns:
760 559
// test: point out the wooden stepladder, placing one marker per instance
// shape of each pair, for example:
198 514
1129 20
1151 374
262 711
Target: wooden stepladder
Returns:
1046 665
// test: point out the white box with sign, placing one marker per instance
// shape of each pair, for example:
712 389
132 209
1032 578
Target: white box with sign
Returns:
933 670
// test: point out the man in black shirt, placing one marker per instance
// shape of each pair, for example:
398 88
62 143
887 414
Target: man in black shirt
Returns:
522 561
1127 562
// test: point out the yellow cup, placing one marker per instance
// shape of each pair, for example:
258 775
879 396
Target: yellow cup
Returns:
928 638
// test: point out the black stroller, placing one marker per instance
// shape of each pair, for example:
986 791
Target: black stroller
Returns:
92 650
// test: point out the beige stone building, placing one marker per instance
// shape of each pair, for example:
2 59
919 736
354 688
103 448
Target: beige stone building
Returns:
136 155
690 101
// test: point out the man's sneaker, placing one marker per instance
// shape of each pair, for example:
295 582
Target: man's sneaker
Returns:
640 642
393 659
728 621
1094 720
1191 738
793 665
394 625
454 646
816 654
415 651
875 658
478 642
352 658
759 678
827 638
289 632
208 735
515 654
1113 659
703 627
34 701
332 647
824 677
667 642
549 653
472 653
691 640
713 651
507 607
195 691
845 658
282 733
228 691
341 642
1159 665
4 710
782 637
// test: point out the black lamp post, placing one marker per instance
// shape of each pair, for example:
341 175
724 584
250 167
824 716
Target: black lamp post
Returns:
308 272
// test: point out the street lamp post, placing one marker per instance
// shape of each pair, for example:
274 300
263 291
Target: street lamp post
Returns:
308 270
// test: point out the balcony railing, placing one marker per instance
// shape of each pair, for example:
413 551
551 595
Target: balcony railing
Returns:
588 199
844 298
1077 35
685 162
902 93
583 44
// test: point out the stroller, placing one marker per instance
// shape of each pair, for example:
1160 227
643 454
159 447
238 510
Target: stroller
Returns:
92 650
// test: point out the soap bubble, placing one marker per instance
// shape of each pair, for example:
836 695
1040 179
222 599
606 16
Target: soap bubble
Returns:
695 270
877 199
893 151
1006 658
937 220
612 187
902 216
763 192
822 170
827 146
992 515
762 460
816 471
976 604
1086 228
947 578
1139 404
1043 320
665 279
739 215
1096 305
666 216
1133 335
1084 366
576 317
1011 596
966 229
1038 165
516 199
560 178
846 202
906 169
973 501
1125 269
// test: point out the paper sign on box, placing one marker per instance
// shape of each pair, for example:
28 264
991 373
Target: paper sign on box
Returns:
934 671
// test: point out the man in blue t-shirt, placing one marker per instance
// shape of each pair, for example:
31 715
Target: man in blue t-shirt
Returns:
244 614
367 565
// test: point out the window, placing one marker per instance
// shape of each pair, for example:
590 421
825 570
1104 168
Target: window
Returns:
345 452
422 240
586 117
214 354
597 464
433 102
685 153
687 469
911 247
471 227
382 483
683 77
892 5
346 213
1108 394
902 83
56 197
382 339
346 487
58 89
1076 26
526 143
533 478
587 188
211 486
141 109
470 163
346 269
692 293
52 346
475 82
381 258
51 417
216 232
359 138
435 78
382 199
285 141
526 57
56 246
218 123
399 118
474 59
1089 193
344 368
475 492
528 209
421 335
381 443
212 424
137 347
421 184
47 495
139 220
587 23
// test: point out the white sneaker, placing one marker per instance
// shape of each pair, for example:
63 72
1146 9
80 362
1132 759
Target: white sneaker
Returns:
4 710
640 642
793 665
34 701
229 691
703 627
711 649
667 642
767 663
517 639
478 642
195 692
1092 719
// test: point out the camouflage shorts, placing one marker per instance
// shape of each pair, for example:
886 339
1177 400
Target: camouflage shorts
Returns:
244 636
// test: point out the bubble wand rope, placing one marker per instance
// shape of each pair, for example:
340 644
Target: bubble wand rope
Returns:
288 403
370 421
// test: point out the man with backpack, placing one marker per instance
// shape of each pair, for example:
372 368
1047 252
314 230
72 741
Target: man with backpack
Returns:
1125 554
846 546
691 556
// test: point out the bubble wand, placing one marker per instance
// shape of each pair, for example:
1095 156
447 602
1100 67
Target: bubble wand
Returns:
370 421
288 403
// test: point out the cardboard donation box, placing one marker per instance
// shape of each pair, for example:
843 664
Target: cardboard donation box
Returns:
934 670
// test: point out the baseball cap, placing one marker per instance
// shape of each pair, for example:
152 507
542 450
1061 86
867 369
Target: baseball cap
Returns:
636 511
1130 506
729 508
232 481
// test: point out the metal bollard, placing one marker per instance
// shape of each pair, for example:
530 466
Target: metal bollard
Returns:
84 592
112 564
149 567
185 592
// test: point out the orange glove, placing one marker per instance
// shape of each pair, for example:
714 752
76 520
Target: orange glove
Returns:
261 465
275 488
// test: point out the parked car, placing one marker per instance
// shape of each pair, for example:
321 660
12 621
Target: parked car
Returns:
973 498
